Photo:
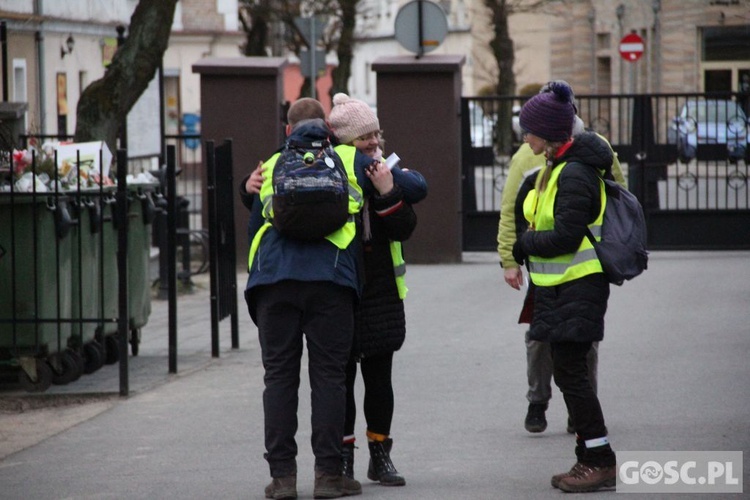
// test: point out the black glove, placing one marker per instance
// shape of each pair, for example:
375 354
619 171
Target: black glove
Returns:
518 254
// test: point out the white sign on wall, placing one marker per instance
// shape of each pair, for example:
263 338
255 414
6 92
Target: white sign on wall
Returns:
144 123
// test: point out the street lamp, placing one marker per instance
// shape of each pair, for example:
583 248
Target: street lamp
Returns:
68 47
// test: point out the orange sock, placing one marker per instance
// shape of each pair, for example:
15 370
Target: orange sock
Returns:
378 438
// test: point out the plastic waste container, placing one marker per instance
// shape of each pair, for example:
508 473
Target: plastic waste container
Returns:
110 279
86 277
35 272
141 211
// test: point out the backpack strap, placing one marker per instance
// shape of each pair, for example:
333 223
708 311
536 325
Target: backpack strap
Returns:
323 143
590 236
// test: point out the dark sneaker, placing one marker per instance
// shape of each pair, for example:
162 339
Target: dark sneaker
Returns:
535 420
570 428
330 486
282 487
584 478
557 477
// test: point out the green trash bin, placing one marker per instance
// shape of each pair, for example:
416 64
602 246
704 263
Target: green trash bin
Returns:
141 210
86 276
109 281
35 272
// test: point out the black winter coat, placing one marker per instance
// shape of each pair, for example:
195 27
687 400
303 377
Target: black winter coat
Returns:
380 321
573 311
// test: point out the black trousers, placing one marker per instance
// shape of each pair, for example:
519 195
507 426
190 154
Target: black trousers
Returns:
378 401
321 312
571 375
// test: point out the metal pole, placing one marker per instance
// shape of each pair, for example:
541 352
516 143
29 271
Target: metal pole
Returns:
620 11
213 229
420 49
4 42
172 257
124 125
162 107
121 210
313 39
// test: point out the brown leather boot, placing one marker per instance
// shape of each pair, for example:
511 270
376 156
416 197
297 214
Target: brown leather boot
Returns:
282 488
335 486
555 481
584 478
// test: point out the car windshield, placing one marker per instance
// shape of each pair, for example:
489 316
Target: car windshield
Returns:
714 111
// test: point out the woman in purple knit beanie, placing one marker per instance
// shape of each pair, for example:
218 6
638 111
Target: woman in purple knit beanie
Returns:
569 292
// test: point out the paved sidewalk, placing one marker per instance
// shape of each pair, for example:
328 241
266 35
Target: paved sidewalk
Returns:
673 368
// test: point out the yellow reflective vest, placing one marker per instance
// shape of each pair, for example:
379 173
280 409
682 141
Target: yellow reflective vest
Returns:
539 211
399 268
342 237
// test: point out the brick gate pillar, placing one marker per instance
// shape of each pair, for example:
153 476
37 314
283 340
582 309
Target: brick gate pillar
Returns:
241 99
419 111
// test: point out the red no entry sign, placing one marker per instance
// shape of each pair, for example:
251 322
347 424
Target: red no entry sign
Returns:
631 47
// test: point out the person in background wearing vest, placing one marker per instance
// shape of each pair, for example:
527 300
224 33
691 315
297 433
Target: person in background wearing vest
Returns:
525 164
298 287
380 322
570 291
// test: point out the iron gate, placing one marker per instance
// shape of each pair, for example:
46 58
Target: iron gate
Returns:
685 156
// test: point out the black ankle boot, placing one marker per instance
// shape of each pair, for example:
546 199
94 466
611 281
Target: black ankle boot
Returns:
347 460
381 467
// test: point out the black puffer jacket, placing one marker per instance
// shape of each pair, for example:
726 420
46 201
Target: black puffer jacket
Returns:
573 311
380 322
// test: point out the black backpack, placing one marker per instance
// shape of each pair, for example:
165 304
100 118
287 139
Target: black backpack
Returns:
622 249
311 190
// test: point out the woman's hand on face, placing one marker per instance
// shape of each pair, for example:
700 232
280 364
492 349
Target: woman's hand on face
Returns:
381 177
255 181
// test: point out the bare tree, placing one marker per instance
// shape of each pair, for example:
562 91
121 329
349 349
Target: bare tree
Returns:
105 103
502 46
503 50
258 15
345 47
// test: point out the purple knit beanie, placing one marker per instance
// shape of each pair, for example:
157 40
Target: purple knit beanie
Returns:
550 114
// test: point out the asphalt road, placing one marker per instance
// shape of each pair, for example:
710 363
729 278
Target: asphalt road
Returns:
673 375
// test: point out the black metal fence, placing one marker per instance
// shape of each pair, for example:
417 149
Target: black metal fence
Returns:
684 155
65 231
59 253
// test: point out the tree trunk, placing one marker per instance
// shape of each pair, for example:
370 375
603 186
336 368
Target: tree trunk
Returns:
502 48
256 22
104 105
345 48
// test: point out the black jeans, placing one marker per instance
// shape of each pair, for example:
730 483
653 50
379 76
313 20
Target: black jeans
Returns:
570 371
321 312
378 402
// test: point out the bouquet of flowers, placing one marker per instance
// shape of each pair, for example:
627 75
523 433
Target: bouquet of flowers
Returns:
43 167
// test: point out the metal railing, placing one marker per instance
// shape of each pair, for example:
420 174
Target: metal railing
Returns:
679 152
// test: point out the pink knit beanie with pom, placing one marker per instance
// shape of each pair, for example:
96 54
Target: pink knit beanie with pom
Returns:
351 118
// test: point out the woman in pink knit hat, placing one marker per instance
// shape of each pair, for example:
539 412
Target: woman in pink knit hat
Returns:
380 324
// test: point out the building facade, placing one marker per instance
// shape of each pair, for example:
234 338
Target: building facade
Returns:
55 49
688 46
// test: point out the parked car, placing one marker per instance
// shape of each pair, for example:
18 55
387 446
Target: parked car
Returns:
516 122
482 127
710 121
